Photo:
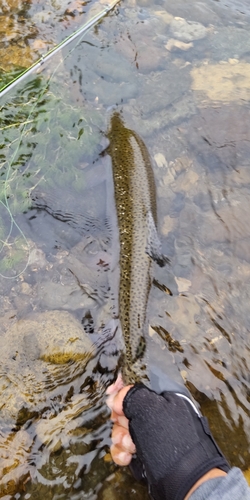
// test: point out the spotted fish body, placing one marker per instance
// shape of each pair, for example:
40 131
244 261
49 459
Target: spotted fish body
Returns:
135 199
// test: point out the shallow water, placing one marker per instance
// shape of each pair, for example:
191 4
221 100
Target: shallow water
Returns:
180 77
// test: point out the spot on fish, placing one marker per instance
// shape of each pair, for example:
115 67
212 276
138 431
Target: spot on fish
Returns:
140 350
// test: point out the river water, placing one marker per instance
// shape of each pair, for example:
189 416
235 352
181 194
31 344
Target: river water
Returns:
180 76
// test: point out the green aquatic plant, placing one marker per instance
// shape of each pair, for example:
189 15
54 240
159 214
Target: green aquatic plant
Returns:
45 140
13 254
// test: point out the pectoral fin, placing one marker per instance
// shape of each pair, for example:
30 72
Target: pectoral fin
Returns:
153 248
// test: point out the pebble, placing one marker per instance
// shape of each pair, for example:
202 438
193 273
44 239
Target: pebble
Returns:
187 31
177 44
183 284
37 258
160 160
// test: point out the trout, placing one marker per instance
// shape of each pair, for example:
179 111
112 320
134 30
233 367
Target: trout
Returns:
135 200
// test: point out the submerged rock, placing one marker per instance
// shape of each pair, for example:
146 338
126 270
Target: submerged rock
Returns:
187 31
122 485
227 81
37 353
49 388
158 99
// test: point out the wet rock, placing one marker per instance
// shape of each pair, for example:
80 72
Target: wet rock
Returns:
144 3
111 67
202 12
7 318
160 160
203 201
44 16
164 15
181 312
177 44
227 230
173 113
187 31
44 362
153 95
110 94
222 82
100 85
122 485
234 440
216 139
37 259
13 56
240 6
22 302
111 77
166 181
177 205
26 288
183 284
229 42
32 351
141 53
186 182
69 296
39 44
78 279
149 58
181 164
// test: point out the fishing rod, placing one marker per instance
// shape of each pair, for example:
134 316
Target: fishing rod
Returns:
56 49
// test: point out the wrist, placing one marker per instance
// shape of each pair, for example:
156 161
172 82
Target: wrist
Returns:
213 473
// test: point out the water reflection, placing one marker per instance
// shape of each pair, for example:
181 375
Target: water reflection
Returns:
187 96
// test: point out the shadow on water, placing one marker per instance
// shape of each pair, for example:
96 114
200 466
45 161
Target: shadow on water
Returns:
179 76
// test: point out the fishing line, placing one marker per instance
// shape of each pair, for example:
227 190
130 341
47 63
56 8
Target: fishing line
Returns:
81 31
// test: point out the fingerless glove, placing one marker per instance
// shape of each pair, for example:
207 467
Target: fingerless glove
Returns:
174 445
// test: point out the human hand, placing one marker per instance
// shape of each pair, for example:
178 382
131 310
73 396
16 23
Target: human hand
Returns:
122 448
175 451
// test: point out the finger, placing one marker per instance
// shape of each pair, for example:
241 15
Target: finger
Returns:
116 386
115 403
122 421
114 416
119 456
121 437
119 419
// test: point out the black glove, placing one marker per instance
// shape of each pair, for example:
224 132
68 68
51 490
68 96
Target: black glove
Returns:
174 445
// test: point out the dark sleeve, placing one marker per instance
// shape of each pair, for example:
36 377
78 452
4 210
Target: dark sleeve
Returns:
231 487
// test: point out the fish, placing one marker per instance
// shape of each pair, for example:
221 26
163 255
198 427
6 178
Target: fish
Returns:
136 211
